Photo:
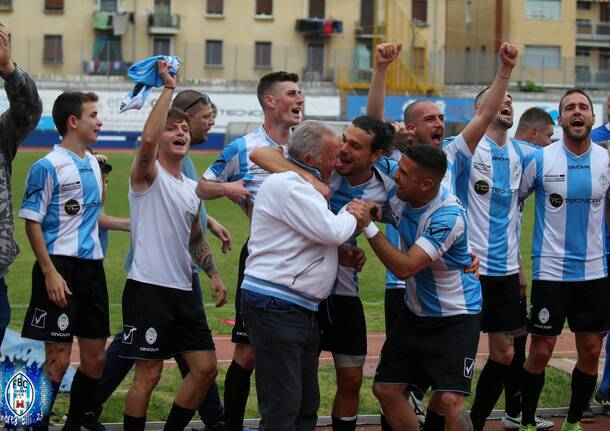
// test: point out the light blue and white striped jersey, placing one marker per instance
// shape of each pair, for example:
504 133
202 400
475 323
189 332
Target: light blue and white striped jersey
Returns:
601 133
64 194
488 188
234 164
458 154
381 189
568 243
441 230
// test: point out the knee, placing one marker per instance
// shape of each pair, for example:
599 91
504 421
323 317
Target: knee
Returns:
93 363
204 371
244 356
591 352
451 403
349 383
504 357
384 393
539 356
147 379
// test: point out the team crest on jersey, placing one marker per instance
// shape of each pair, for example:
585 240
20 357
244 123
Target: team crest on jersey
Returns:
72 207
151 335
544 315
481 187
63 321
556 200
516 170
603 181
20 394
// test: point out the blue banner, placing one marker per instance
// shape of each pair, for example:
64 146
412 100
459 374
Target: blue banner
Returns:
456 110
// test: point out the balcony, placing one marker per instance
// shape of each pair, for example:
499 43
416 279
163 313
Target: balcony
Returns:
317 27
592 33
107 68
161 23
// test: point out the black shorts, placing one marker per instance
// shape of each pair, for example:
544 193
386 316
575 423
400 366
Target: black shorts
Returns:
342 325
584 303
431 351
87 312
239 334
394 301
501 310
159 322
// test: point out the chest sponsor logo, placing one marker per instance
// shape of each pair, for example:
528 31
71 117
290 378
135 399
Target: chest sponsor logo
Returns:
579 167
480 166
72 207
70 186
554 178
555 200
481 187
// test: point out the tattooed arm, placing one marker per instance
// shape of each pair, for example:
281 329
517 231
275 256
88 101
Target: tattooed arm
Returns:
199 247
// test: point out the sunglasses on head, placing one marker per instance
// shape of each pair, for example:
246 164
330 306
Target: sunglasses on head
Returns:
203 98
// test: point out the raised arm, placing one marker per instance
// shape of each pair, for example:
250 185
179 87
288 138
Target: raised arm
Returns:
143 170
25 106
493 99
385 54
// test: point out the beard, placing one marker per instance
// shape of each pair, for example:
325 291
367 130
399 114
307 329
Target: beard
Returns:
567 131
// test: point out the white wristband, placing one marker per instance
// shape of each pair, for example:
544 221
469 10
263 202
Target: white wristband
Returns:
370 231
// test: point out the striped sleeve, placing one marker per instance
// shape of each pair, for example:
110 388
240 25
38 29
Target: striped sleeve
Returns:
231 164
39 186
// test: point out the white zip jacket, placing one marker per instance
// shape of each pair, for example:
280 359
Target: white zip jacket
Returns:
293 242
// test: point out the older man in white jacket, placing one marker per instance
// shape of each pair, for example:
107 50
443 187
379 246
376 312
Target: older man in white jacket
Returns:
292 264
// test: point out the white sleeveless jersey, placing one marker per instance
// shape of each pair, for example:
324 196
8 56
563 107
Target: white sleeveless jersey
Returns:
161 222
571 191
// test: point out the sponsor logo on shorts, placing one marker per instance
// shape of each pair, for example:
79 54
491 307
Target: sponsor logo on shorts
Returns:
60 334
468 367
72 207
39 318
544 315
63 321
151 335
481 187
149 349
128 332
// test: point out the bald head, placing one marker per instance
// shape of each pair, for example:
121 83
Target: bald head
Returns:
412 111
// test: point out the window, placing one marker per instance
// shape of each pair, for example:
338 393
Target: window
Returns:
483 57
264 7
317 8
54 5
543 9
366 16
583 5
315 62
108 5
262 54
53 51
419 10
214 7
107 48
6 4
161 46
163 7
213 52
542 57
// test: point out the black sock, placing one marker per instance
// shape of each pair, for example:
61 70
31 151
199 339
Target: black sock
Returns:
385 426
512 384
237 389
434 421
344 425
583 386
83 388
530 393
489 388
131 423
178 418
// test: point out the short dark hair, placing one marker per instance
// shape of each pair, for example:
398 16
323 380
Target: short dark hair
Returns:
410 109
575 91
479 96
533 116
188 99
382 132
429 157
177 114
267 82
68 104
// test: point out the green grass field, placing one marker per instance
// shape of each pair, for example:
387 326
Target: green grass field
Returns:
371 291
372 278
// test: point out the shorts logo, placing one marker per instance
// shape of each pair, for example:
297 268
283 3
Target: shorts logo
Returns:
72 207
39 318
556 200
20 394
63 322
128 332
481 187
544 315
468 367
151 335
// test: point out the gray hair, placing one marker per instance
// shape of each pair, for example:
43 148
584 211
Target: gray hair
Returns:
306 140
